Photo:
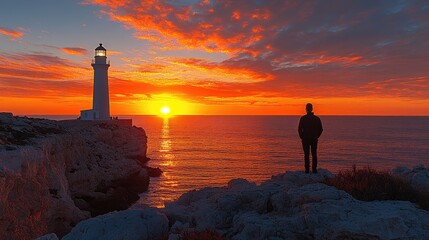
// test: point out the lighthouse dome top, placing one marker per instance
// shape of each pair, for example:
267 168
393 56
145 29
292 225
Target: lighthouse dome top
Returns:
100 47
100 51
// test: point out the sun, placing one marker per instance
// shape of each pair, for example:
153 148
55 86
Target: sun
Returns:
165 110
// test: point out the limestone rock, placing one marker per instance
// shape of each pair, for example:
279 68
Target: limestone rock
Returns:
51 236
54 174
294 205
129 224
417 176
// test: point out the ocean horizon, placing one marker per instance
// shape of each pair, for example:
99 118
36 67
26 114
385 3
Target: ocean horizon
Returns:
209 150
72 116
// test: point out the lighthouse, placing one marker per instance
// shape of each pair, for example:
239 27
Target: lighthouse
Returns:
100 99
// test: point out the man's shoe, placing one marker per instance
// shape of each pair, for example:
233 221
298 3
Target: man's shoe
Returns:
314 170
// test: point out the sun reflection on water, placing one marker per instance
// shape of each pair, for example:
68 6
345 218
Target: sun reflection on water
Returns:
167 159
167 156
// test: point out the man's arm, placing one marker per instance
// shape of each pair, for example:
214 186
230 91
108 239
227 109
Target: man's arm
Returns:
320 128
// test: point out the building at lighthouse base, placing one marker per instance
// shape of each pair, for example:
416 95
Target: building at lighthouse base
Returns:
89 114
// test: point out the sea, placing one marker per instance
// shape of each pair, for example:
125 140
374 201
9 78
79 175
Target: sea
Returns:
208 151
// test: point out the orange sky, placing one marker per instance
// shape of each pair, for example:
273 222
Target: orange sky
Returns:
214 57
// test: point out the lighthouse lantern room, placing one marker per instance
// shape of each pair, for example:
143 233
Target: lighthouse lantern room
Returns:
100 100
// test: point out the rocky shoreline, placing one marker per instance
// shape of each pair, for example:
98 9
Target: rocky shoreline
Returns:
54 174
292 205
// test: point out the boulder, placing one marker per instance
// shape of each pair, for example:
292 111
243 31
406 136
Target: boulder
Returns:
133 224
51 236
417 176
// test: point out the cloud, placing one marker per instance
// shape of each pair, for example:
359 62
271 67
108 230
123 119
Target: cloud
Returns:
112 52
41 76
12 33
418 87
74 50
43 89
68 50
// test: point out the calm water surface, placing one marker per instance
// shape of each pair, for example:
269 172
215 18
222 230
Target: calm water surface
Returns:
199 151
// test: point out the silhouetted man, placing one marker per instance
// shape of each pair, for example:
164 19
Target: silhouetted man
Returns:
310 129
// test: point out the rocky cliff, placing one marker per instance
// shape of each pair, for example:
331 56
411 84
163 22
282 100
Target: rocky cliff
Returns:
54 174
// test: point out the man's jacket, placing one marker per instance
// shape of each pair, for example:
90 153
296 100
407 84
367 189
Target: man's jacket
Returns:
310 127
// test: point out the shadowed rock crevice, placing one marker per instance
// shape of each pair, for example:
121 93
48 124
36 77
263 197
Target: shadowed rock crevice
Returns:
116 195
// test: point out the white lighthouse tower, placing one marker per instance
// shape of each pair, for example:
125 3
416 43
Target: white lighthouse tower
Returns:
100 101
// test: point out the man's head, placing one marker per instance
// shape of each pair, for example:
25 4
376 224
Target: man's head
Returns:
309 107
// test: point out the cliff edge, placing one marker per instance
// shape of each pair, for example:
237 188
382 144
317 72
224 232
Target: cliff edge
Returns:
54 174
